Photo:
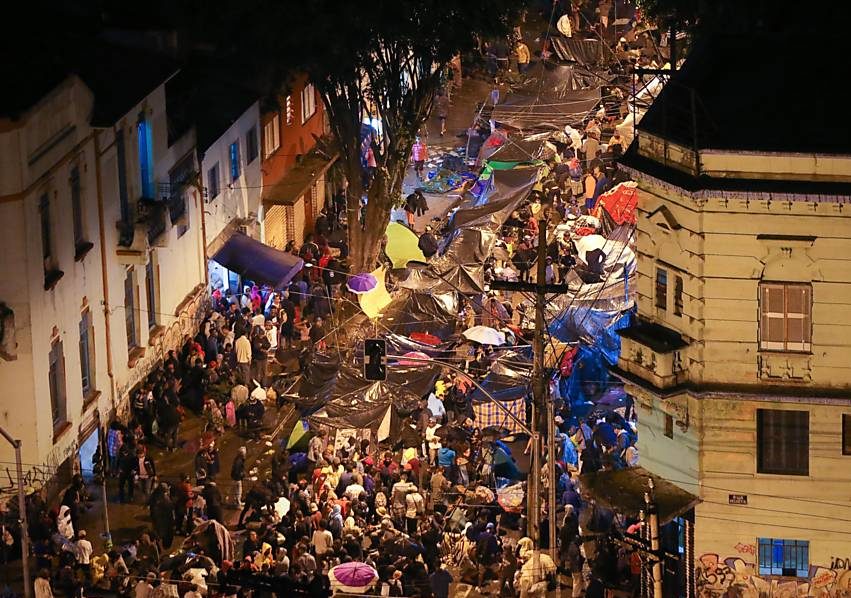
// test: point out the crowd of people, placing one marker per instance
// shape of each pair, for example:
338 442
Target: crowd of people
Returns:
430 507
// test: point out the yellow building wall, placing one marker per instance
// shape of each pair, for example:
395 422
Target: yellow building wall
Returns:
723 247
719 252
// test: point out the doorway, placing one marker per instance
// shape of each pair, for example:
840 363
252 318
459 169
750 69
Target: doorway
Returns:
86 452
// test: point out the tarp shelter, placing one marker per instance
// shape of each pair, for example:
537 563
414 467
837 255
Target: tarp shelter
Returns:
538 112
511 394
373 302
587 52
622 490
620 202
258 262
402 245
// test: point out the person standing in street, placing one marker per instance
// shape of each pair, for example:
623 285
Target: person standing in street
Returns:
523 56
237 474
441 108
419 154
243 358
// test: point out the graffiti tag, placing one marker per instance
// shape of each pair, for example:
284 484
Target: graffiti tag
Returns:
745 549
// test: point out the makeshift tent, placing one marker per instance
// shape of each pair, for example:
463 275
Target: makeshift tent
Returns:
511 394
538 112
623 491
587 52
258 262
402 245
374 301
620 202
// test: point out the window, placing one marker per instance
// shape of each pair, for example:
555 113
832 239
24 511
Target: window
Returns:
308 102
290 111
669 425
56 382
661 288
87 353
251 145
130 310
77 207
846 434
213 182
785 323
151 293
234 160
783 442
122 175
146 157
678 295
46 233
272 136
790 558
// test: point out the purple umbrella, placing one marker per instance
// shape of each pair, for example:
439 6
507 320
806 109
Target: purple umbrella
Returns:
352 577
362 283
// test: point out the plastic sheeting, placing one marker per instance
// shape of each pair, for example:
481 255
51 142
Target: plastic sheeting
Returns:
402 245
531 112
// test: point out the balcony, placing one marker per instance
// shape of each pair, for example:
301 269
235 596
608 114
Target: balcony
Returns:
172 196
653 353
151 215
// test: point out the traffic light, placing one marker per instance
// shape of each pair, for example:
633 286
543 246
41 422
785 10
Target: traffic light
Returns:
374 359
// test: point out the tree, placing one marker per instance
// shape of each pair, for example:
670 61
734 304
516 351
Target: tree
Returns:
382 59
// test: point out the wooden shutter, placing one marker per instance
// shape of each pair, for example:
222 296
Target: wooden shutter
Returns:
773 317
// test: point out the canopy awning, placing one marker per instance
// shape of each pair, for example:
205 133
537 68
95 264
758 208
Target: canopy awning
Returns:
623 490
258 262
297 181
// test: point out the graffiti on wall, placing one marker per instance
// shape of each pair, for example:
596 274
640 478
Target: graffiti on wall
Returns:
734 577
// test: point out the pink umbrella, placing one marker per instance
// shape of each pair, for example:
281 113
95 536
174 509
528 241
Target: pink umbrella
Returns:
352 577
418 355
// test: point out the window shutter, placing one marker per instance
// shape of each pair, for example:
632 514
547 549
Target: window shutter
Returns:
773 316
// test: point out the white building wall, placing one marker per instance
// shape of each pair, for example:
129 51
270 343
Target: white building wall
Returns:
236 199
178 260
39 153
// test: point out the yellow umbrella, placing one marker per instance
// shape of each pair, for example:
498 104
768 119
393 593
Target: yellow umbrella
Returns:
402 245
372 302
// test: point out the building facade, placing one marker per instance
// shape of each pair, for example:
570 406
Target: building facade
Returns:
233 185
294 168
740 360
101 233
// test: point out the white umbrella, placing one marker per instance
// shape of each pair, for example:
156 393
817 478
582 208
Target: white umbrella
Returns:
484 335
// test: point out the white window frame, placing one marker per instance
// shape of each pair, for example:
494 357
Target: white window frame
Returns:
308 102
272 136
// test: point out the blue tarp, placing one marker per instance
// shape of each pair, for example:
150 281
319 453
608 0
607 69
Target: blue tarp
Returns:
258 262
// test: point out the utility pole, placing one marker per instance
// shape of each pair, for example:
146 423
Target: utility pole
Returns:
22 515
653 517
542 409
647 544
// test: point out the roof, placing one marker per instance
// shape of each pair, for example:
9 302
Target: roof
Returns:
623 491
759 92
674 176
298 179
209 98
119 77
659 338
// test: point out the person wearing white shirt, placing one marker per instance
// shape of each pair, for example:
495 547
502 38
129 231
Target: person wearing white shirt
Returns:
432 440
